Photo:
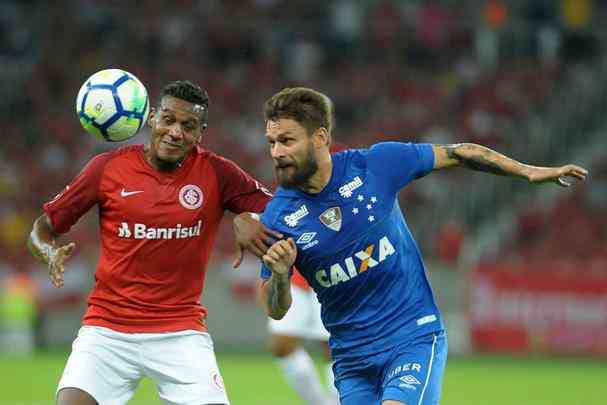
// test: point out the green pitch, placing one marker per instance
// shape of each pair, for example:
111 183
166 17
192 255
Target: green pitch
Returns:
252 379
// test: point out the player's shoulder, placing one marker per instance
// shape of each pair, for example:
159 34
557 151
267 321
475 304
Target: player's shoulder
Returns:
218 162
283 201
392 149
113 156
123 152
389 146
349 158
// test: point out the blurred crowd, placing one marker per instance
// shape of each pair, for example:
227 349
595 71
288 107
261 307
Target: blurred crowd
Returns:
569 236
432 71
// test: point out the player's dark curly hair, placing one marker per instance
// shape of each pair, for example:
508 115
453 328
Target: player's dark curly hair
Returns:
308 107
191 92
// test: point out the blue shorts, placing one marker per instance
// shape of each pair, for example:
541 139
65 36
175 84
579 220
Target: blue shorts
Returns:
412 374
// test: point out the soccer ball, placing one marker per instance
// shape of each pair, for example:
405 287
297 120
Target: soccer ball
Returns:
112 105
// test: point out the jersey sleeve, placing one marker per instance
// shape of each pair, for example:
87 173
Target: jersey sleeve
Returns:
265 219
269 218
239 191
400 163
78 197
265 272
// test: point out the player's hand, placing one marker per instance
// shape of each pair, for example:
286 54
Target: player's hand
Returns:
557 175
57 258
281 256
253 236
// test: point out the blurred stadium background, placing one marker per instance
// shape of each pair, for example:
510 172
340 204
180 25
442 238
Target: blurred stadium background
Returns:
520 272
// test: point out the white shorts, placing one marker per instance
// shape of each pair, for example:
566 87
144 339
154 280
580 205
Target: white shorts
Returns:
108 365
302 319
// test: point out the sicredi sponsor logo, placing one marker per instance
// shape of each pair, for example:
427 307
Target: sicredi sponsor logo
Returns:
142 231
346 190
293 219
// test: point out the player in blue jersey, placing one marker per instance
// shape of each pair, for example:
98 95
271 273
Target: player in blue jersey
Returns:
344 230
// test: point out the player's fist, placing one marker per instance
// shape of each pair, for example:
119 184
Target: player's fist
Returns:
56 260
557 175
281 256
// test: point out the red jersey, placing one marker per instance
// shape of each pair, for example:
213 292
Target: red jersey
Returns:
157 230
299 280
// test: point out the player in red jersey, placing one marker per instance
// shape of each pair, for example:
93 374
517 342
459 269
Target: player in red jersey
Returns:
159 210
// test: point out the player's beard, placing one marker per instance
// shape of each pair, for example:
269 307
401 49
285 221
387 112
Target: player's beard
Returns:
302 171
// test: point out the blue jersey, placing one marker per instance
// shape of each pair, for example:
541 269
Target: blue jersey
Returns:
356 251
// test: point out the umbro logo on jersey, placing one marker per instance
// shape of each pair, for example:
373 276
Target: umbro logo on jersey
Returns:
124 193
142 231
336 273
346 190
331 218
293 219
307 239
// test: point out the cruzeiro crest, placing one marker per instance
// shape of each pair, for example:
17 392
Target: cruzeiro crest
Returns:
331 218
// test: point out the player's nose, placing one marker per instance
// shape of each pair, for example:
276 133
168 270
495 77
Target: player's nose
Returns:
175 131
277 151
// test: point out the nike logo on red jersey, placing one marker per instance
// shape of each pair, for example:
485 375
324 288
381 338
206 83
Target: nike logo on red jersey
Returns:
124 193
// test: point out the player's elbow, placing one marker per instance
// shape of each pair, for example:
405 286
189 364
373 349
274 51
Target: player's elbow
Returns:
277 313
275 303
277 316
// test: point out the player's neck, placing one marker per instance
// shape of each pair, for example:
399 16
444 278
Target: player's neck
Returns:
159 164
319 180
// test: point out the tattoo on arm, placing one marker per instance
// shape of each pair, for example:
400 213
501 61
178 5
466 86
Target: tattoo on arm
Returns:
482 164
276 293
480 159
450 150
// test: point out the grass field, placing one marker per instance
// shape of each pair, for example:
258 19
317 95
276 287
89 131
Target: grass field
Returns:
253 379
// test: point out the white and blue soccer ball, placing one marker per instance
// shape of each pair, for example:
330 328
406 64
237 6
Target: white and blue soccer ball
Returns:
112 105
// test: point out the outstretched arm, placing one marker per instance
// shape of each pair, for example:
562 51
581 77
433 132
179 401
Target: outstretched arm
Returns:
276 291
43 246
480 158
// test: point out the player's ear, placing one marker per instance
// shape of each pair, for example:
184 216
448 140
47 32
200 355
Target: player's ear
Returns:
321 137
199 134
151 116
